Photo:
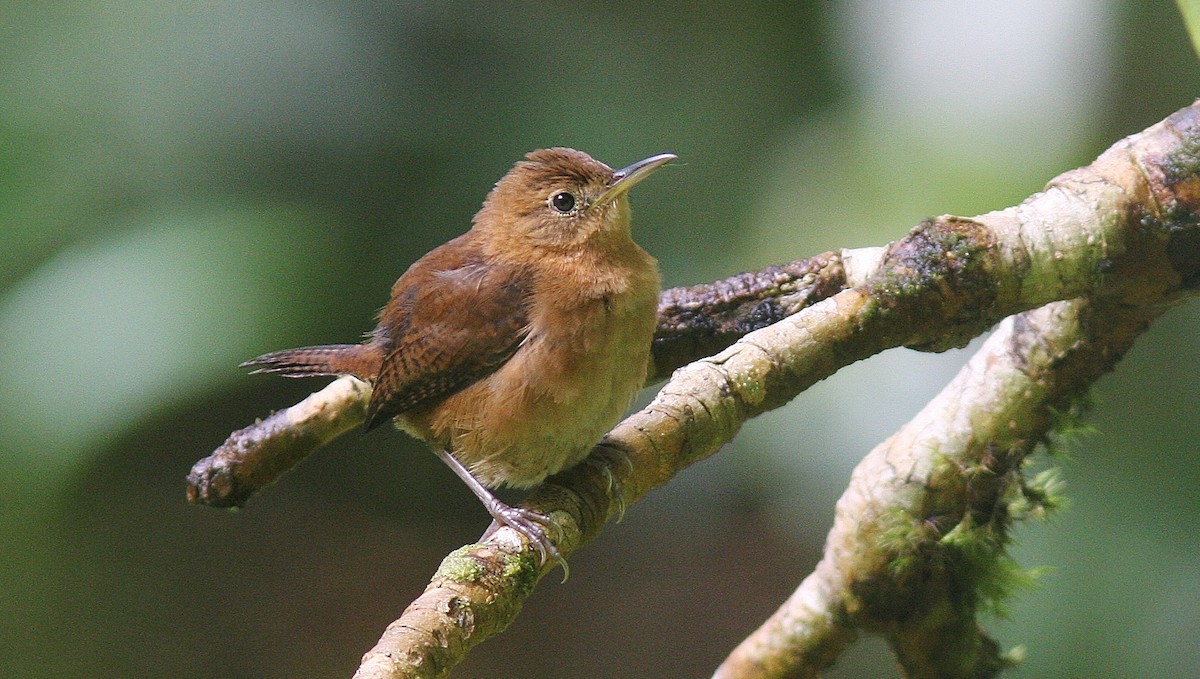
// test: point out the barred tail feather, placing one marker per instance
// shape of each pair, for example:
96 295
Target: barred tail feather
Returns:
360 360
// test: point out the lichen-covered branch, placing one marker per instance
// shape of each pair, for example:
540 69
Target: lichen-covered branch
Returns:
917 547
1120 233
256 455
700 320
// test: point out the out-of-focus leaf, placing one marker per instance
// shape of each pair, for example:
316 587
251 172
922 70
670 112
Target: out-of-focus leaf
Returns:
1191 20
110 330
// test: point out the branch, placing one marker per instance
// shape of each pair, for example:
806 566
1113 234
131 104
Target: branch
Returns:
1121 232
255 456
917 546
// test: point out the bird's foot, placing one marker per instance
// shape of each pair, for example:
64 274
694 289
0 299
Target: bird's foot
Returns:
604 457
525 521
530 524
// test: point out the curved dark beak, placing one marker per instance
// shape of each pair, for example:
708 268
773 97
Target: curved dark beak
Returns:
626 177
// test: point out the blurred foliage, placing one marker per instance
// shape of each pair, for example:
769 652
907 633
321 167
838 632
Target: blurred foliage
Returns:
185 185
1191 20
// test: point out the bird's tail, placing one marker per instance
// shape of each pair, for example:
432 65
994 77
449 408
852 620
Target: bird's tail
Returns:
360 360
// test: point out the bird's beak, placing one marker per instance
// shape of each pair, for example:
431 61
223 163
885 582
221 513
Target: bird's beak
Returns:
625 178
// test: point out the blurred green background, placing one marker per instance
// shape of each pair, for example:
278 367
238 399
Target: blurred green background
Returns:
187 185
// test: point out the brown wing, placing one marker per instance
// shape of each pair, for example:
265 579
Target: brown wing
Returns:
452 320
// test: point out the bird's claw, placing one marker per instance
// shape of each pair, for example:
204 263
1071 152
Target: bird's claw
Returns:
534 527
604 457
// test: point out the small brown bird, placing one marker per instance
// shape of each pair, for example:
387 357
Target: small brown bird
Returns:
514 347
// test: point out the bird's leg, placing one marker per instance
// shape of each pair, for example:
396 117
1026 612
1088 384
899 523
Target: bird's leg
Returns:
526 522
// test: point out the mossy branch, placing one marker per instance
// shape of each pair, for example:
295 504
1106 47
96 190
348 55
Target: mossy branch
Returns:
1120 238
917 546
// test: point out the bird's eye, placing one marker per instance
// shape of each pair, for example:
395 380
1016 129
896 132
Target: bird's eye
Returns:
563 202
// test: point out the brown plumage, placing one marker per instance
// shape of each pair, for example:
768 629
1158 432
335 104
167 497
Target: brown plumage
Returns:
513 348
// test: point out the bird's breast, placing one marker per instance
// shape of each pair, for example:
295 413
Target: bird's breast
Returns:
583 360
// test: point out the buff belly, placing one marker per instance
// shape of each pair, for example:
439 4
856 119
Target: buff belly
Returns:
546 408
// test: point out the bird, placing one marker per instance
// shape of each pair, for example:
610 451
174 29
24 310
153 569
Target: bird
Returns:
513 348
